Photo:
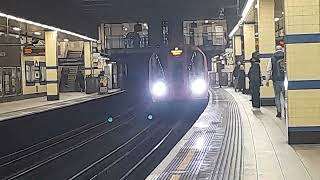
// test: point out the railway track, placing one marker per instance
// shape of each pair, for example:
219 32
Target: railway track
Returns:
17 164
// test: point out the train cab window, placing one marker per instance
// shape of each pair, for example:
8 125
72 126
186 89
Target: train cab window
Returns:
156 67
197 64
177 71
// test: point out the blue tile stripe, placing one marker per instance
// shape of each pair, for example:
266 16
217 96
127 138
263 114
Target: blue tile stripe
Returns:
302 38
306 84
304 129
267 55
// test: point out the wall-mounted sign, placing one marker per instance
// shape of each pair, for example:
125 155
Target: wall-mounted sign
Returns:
2 54
34 51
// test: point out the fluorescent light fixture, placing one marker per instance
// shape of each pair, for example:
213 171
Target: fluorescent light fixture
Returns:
16 29
66 40
246 9
244 14
276 19
46 27
206 21
37 33
235 29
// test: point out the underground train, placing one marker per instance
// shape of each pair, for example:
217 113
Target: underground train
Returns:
179 73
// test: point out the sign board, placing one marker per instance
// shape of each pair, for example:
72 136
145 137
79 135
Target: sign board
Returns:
176 52
2 54
34 51
103 85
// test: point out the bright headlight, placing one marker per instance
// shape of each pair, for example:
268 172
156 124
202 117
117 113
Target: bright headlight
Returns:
198 86
159 89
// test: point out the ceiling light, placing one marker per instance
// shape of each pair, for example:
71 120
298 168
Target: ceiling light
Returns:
276 19
16 29
37 33
66 40
46 26
206 21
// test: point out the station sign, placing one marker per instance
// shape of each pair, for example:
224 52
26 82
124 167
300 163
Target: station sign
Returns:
2 54
176 52
34 51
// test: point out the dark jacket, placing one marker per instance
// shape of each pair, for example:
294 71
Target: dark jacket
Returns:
278 66
255 74
241 79
235 72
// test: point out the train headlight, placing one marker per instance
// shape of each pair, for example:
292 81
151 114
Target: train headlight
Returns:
198 86
159 89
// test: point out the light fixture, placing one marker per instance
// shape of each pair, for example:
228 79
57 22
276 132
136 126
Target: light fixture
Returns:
276 19
282 13
16 29
46 26
244 14
206 21
37 33
66 40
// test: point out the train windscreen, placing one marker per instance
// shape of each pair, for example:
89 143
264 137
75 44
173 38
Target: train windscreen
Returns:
177 74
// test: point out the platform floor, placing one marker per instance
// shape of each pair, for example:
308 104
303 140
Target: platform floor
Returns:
229 141
19 108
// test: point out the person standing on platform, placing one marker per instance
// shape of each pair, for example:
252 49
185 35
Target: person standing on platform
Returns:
255 82
241 79
235 74
276 72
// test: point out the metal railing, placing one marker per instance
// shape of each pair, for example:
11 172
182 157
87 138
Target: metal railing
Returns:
205 39
122 42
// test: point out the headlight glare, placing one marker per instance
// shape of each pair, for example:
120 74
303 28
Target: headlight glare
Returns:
198 86
159 89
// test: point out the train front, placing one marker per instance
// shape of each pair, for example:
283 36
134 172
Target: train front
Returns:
178 74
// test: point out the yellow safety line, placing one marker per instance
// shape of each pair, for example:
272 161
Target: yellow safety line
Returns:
183 165
175 177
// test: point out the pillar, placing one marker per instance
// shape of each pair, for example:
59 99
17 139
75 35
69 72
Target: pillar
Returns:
302 39
237 47
88 58
51 65
266 30
249 46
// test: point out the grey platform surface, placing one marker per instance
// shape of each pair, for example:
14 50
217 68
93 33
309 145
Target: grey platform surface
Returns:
230 142
211 149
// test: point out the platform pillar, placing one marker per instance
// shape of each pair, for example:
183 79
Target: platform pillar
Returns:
237 47
267 44
249 46
88 58
51 65
302 39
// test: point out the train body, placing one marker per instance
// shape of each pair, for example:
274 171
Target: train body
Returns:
179 73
